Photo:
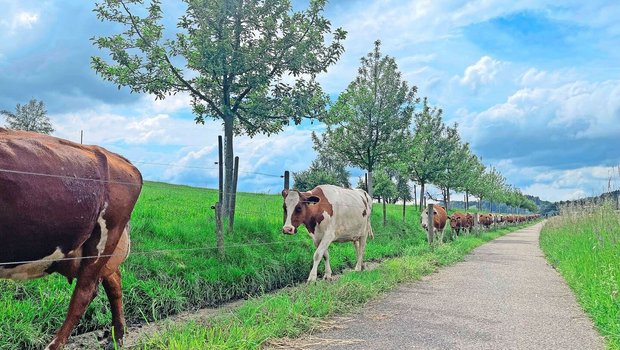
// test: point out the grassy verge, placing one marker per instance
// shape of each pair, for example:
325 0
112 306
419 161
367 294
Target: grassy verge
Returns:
292 311
584 246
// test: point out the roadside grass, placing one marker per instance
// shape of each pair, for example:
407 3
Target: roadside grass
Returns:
293 311
583 244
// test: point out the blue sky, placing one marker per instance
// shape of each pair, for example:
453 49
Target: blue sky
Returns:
534 86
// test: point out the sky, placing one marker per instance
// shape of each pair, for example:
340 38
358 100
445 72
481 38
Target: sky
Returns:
533 85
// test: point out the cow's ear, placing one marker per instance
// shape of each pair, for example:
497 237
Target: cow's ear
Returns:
313 200
284 193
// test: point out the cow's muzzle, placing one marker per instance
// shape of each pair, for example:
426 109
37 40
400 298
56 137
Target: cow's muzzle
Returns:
289 230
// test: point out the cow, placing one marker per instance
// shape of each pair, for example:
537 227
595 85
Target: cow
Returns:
486 220
65 208
461 221
457 222
439 220
331 214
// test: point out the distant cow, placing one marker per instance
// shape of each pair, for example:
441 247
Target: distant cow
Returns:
331 214
439 220
486 220
461 221
65 208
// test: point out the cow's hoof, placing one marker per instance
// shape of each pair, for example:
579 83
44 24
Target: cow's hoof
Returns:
329 278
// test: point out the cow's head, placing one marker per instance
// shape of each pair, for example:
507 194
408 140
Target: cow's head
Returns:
424 217
455 221
295 207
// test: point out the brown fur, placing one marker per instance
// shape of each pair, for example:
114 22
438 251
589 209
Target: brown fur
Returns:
40 213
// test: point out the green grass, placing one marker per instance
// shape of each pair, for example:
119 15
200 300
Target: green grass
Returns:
584 246
293 311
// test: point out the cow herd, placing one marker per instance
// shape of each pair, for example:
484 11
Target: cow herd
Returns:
65 207
461 223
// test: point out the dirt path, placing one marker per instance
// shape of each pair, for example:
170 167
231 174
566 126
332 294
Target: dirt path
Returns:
503 296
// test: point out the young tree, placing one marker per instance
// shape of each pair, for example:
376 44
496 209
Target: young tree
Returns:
452 161
385 189
403 192
370 119
235 58
424 148
30 117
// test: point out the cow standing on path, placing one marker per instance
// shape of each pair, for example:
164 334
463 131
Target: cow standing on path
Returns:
331 214
65 208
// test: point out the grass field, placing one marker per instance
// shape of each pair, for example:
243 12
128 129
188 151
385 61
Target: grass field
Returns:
172 267
584 246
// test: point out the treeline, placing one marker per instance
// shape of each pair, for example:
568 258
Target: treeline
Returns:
380 125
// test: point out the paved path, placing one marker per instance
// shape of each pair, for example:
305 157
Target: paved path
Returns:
502 296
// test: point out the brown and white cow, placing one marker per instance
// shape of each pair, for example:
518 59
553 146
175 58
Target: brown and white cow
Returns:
440 217
331 214
485 220
65 208
461 221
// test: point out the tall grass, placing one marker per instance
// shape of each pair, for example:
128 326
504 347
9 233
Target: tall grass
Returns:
583 244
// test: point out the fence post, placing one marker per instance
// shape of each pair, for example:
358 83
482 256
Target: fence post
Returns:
220 164
477 223
287 179
430 224
233 199
81 137
218 228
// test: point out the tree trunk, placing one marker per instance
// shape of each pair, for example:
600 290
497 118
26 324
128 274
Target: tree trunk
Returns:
370 184
384 213
228 166
466 200
421 197
448 197
404 202
415 200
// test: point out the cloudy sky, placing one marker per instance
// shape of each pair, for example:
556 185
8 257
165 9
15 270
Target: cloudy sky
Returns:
534 86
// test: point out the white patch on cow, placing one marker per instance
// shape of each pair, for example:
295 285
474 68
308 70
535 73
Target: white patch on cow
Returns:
51 344
31 270
103 240
347 222
290 202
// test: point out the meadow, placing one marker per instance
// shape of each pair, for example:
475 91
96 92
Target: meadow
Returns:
583 244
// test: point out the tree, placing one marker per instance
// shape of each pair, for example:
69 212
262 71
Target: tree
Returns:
452 158
403 191
30 117
385 189
369 121
472 175
251 64
424 148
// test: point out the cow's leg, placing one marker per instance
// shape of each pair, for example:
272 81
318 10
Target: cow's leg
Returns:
85 288
318 255
360 253
328 268
112 286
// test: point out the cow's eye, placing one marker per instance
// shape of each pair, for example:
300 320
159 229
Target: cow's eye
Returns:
297 209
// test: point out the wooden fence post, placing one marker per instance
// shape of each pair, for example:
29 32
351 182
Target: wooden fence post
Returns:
218 228
477 223
220 164
430 224
287 179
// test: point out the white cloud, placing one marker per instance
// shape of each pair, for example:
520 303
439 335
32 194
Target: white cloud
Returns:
18 20
481 73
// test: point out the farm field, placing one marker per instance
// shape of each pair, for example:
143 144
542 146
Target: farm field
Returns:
168 270
584 246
